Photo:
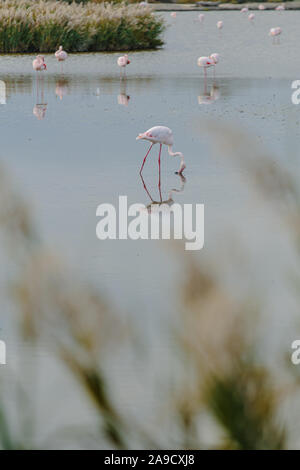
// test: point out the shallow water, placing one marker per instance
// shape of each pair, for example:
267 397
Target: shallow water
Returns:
70 145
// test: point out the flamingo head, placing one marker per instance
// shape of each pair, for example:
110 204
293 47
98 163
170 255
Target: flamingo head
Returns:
214 57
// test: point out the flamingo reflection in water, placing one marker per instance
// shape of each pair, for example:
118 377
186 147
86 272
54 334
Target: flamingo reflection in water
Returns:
62 88
163 205
40 108
2 92
123 98
39 111
209 96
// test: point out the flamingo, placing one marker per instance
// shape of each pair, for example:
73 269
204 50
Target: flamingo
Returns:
123 61
215 57
244 10
220 24
201 17
61 55
274 32
38 63
163 136
261 7
173 14
280 8
251 17
206 62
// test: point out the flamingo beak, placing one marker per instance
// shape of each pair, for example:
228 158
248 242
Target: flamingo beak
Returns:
128 62
140 136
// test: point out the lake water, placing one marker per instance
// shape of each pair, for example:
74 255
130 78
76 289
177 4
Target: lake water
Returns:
70 146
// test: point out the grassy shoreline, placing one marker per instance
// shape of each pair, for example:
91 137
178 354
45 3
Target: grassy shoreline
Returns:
41 26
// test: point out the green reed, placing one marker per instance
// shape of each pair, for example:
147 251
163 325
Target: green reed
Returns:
41 26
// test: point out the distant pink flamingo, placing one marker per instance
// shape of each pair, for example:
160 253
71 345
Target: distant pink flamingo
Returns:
274 32
201 17
163 136
38 63
244 10
122 62
220 24
39 109
251 17
61 55
261 7
207 62
280 8
173 14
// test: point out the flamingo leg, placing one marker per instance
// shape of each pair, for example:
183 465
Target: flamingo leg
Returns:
159 182
145 187
37 86
42 90
146 158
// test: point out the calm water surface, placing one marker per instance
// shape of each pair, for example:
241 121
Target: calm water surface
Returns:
70 145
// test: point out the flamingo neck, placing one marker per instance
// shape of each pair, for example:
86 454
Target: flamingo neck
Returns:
176 154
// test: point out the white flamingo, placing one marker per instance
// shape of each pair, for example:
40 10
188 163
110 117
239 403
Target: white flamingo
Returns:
122 62
61 55
163 136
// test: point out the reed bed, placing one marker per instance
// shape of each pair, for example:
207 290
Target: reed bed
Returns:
41 26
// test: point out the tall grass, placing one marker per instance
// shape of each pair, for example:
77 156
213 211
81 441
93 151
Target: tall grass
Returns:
41 26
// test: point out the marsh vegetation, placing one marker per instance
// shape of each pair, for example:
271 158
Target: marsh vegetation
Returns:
30 26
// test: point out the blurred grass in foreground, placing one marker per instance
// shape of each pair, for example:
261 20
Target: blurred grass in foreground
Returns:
221 374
